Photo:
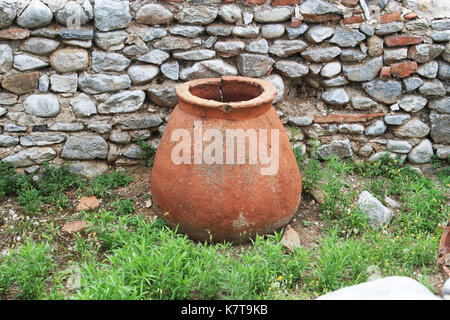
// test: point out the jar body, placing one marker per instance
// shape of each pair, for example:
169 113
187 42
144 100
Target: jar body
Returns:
208 191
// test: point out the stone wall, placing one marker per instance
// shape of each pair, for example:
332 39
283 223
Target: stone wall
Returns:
83 80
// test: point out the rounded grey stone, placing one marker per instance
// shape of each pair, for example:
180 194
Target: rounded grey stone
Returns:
24 62
163 97
173 43
100 83
109 61
230 13
429 70
335 97
83 106
64 82
171 70
36 15
432 88
140 74
277 81
421 153
111 14
441 105
7 14
272 31
301 121
229 48
367 30
348 128
331 69
8 141
195 55
197 15
362 103
265 14
363 72
393 55
412 103
66 126
31 156
440 128
286 48
321 54
319 7
120 137
339 148
352 55
155 56
291 69
245 31
444 71
85 147
383 91
378 214
112 41
187 31
72 14
423 53
40 46
154 13
347 37
396 119
6 58
123 102
219 30
389 28
254 65
296 32
69 60
143 122
334 82
318 34
398 146
375 129
414 128
42 105
39 139
258 46
412 83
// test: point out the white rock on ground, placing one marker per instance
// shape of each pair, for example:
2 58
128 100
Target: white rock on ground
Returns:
389 288
378 215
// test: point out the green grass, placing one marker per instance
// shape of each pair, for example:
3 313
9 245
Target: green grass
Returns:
147 153
25 271
53 182
124 255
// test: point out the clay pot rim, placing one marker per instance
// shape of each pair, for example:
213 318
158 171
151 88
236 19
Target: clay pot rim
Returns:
267 96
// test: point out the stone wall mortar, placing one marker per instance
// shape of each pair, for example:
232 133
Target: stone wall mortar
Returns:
83 80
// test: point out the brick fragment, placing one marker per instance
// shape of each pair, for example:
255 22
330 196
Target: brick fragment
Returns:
400 41
14 34
403 69
385 73
390 17
353 19
410 16
295 22
350 3
284 2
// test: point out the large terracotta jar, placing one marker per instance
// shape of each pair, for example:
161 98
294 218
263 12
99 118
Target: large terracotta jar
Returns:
214 186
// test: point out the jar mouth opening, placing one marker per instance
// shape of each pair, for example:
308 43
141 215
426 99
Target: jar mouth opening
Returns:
227 93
